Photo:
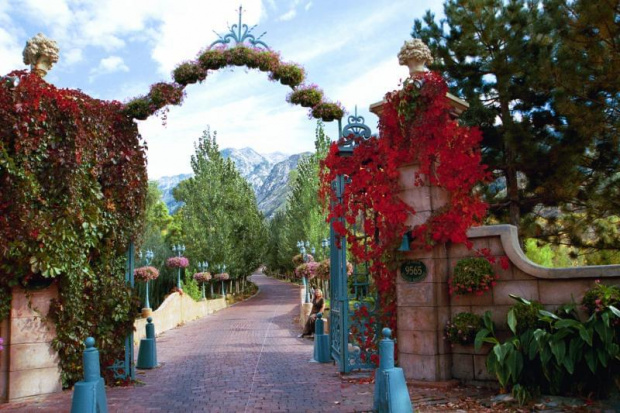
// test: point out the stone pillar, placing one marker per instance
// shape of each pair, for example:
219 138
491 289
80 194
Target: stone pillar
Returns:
423 306
4 360
33 364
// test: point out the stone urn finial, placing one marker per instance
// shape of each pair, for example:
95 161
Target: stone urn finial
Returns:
415 55
40 53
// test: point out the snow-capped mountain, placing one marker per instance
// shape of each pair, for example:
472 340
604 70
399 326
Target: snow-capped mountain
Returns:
267 173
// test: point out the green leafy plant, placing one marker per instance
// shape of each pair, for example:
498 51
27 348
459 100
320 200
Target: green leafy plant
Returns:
462 328
527 316
473 275
327 111
597 298
567 356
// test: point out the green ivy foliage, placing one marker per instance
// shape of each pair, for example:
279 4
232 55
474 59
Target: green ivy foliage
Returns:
72 191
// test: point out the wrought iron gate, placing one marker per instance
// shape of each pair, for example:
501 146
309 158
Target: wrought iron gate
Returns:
347 333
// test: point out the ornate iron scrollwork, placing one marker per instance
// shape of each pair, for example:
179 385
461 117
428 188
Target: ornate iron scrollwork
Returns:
352 132
240 33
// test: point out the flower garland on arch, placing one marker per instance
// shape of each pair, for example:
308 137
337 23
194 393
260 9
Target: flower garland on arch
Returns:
416 128
290 74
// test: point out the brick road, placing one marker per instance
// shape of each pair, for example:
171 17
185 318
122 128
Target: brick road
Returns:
245 358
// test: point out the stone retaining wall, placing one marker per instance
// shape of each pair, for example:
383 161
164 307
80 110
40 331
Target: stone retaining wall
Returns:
425 307
176 310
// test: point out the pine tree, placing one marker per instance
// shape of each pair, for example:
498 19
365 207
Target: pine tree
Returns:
540 78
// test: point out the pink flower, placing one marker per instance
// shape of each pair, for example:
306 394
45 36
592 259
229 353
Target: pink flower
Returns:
177 262
202 277
145 273
1 344
223 276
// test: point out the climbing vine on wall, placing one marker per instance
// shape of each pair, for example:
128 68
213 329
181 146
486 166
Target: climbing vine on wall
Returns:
416 128
72 192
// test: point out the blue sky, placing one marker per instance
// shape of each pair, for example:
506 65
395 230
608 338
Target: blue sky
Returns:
115 49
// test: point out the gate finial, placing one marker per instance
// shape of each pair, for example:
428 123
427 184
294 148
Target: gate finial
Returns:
240 33
40 53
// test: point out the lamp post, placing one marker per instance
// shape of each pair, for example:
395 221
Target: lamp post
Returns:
302 245
148 259
202 266
179 249
223 286
324 245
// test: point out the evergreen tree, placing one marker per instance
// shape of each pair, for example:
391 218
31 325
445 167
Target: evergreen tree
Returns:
545 102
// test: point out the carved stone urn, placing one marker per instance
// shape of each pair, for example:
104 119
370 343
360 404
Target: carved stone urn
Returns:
40 53
415 55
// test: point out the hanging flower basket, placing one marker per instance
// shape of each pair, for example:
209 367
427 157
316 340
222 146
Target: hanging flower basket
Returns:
177 262
307 269
306 96
327 111
189 72
223 276
472 276
145 273
202 277
299 259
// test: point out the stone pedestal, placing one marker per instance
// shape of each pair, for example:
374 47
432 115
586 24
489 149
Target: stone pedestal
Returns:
32 363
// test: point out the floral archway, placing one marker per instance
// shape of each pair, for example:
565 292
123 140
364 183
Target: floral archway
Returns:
248 51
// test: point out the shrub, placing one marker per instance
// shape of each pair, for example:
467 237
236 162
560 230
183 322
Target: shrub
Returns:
462 329
472 276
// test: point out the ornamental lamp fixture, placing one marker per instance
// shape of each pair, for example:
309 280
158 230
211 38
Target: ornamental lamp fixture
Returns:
404 245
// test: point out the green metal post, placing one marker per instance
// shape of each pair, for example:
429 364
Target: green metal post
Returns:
391 394
89 394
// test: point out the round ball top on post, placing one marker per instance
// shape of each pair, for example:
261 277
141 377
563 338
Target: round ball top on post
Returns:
40 53
149 320
319 315
89 342
387 333
415 54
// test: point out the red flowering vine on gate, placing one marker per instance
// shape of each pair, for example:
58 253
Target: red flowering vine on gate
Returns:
416 128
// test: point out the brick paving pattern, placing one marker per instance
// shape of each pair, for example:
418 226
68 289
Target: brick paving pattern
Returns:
246 358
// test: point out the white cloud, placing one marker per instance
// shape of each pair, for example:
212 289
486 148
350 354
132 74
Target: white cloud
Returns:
108 65
72 56
307 6
289 15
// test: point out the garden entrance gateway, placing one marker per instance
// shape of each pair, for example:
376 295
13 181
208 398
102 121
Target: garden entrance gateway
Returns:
352 330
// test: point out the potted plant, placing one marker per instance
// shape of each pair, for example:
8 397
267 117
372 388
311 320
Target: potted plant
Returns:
306 96
202 278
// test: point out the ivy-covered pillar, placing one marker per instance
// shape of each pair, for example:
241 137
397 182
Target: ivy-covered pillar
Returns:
422 299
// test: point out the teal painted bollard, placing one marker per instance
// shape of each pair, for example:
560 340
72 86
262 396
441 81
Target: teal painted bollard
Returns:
391 394
321 341
147 354
89 394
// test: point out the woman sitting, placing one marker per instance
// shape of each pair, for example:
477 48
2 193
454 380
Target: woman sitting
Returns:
318 306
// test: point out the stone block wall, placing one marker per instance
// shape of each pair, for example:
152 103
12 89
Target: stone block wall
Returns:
177 309
29 363
425 307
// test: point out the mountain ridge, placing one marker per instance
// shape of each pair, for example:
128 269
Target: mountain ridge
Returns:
268 174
